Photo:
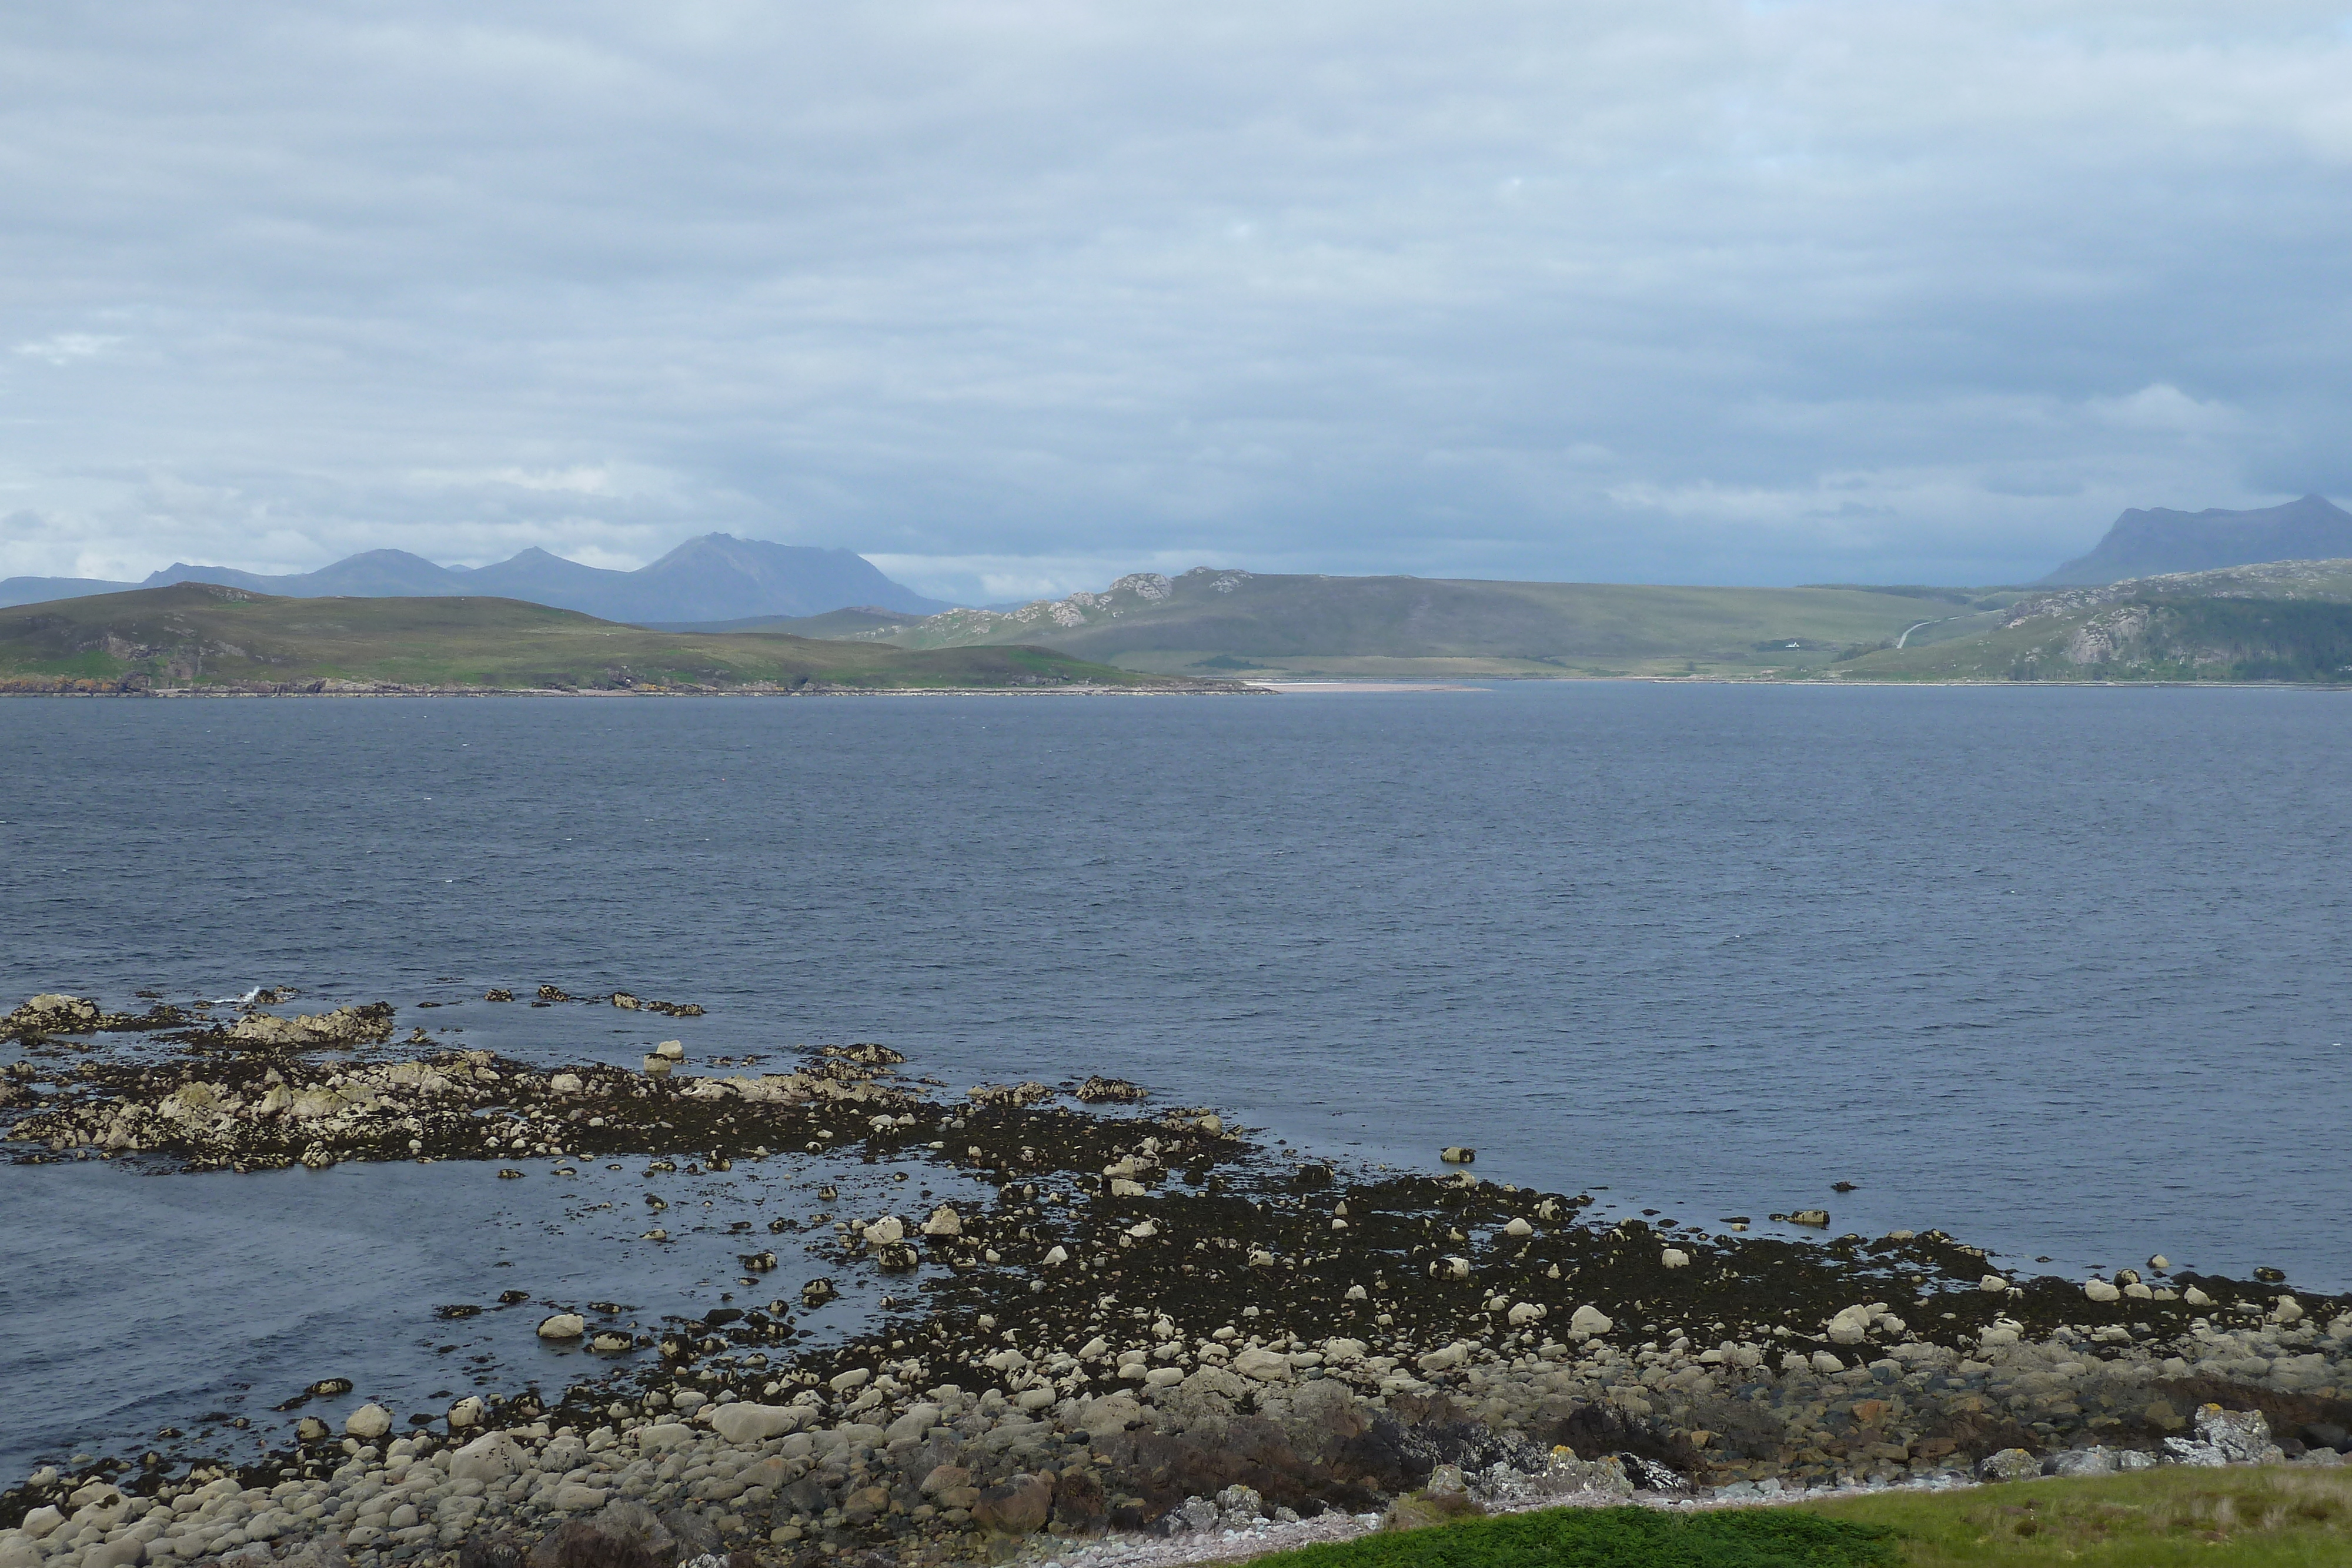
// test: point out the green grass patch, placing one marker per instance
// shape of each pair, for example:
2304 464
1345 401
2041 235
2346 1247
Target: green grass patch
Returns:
1615 1537
2254 1516
2241 1517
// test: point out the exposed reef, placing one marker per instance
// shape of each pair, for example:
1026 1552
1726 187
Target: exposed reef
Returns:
1149 1321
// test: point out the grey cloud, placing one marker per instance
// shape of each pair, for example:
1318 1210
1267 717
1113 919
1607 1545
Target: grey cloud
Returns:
1685 291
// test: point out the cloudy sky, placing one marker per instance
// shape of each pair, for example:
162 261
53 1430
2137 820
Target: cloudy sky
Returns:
1017 295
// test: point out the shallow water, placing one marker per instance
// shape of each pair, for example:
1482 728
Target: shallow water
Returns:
2060 971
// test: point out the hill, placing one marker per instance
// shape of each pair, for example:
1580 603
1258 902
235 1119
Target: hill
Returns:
714 577
207 637
1217 621
2147 542
2281 621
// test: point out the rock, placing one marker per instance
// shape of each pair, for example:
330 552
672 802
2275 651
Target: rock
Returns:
2009 1465
2158 1260
670 1050
1993 1284
565 1083
1098 1091
918 1420
1826 1364
1451 1267
1850 1326
1457 1155
2196 1298
1673 1258
1079 1505
1603 1476
1518 1227
856 1377
491 1457
571 1497
311 1429
742 1422
562 1326
655 1439
2100 1291
2241 1436
1019 1506
1264 1365
1589 1321
1110 1415
889 1228
2287 1310
1819 1218
2317 1434
1213 1126
1423 1508
1522 1313
466 1413
120 1553
1444 1359
367 1423
657 1066
1056 1255
1239 1506
38 1524
2094 1461
944 1221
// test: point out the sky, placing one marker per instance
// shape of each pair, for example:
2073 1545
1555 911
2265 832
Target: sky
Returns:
1016 295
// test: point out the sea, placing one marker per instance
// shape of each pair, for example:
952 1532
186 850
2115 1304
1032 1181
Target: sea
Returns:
2062 971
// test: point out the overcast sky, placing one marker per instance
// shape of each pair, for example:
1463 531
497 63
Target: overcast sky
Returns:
1013 297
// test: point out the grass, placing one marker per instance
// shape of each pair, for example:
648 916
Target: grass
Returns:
2241 1517
198 634
1613 1538
2251 1516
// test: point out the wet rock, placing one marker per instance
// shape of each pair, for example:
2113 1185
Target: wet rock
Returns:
1100 1090
1589 1320
1019 1506
944 1221
497 994
2100 1291
562 1326
1457 1155
1673 1258
370 1025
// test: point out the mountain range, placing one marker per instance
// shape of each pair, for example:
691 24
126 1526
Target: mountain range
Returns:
2154 541
714 577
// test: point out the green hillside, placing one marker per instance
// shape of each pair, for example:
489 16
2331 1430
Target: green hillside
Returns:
2285 621
202 636
1210 622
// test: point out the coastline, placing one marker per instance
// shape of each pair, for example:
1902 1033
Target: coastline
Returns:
1155 1306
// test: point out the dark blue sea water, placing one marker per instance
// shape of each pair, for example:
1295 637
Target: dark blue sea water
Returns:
2062 971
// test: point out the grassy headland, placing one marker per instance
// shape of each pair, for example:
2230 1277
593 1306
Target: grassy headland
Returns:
203 638
1251 624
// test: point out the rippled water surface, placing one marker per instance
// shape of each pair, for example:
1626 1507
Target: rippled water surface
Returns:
2062 971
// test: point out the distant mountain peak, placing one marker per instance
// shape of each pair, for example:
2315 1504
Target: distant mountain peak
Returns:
2155 541
712 576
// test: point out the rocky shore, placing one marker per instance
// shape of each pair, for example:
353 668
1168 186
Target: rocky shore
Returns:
1156 1326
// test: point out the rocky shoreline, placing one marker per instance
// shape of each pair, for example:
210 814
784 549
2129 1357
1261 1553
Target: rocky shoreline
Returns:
1156 1325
